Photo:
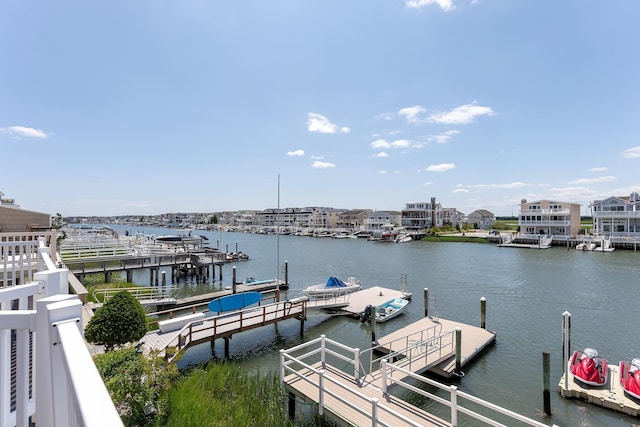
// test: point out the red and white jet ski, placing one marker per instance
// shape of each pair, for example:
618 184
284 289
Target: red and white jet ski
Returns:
588 368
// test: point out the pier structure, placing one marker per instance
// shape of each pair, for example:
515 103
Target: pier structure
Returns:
347 386
207 329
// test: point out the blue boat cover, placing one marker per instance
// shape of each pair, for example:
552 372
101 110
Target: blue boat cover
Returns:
334 282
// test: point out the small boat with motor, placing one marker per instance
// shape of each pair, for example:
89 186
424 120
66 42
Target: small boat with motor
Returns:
333 288
385 311
630 378
585 246
589 369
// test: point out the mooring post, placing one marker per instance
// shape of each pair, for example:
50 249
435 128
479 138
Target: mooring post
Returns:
546 383
426 302
150 276
226 347
483 313
157 269
220 276
233 279
302 327
373 326
566 343
458 350
237 247
164 283
292 406
226 248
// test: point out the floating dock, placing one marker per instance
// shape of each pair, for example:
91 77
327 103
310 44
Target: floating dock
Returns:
610 395
474 340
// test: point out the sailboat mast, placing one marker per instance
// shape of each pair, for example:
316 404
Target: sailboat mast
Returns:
278 236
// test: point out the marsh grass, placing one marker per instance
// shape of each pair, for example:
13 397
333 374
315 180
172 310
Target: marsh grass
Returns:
223 394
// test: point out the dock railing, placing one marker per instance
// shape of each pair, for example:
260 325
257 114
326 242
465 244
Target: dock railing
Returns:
41 342
312 357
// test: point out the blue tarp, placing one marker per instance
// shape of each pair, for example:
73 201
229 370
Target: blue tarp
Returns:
334 282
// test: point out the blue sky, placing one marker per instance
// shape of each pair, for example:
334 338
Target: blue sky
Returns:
147 107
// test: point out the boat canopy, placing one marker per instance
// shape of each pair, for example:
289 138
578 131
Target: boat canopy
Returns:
334 282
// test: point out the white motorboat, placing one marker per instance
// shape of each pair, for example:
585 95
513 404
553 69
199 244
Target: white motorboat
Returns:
385 311
585 246
333 288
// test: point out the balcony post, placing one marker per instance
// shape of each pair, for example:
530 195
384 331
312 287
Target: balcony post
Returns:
51 309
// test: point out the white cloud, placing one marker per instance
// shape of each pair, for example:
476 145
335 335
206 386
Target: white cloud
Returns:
460 190
320 124
631 153
461 115
442 167
380 143
427 183
401 143
385 116
295 153
443 137
608 178
322 165
21 131
507 185
383 172
598 169
445 5
381 155
412 113
317 157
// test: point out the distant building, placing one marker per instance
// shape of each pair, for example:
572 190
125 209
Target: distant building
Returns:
617 216
353 219
481 218
549 217
382 220
15 219
421 215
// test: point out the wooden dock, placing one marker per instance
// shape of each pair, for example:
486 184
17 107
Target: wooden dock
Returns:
611 395
375 295
223 326
474 340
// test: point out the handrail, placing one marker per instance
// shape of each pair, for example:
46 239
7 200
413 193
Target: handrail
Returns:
288 360
69 388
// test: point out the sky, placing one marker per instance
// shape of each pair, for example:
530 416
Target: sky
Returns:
154 106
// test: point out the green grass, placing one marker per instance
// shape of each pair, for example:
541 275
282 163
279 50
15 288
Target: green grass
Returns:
223 394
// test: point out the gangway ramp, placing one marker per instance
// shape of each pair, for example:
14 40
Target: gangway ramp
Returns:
224 325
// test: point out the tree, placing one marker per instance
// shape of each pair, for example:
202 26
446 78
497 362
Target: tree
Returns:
120 320
137 384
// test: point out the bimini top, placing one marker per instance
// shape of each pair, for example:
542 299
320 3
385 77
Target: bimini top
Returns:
334 282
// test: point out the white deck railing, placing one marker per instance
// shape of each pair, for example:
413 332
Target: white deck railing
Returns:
303 357
55 381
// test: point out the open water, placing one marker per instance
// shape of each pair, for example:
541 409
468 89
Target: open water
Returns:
527 290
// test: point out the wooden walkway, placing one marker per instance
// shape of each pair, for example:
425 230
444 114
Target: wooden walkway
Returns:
337 397
223 326
474 340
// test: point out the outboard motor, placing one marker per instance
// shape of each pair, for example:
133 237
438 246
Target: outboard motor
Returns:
365 316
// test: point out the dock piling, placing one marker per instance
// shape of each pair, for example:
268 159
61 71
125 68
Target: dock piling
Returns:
233 279
566 345
458 370
546 384
483 313
426 302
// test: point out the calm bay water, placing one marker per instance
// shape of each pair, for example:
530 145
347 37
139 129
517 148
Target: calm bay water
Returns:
527 291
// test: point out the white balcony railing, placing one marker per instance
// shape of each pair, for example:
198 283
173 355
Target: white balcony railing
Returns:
41 340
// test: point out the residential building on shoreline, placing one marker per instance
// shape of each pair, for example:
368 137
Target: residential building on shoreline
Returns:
549 217
617 216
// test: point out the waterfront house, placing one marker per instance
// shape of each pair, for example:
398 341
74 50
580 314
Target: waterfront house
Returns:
617 216
353 219
382 220
481 218
548 217
421 215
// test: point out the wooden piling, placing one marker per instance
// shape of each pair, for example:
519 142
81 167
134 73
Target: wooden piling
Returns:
150 276
233 280
426 302
483 313
226 347
546 384
164 283
458 351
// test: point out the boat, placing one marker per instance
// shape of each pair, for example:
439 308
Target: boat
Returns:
585 246
605 246
333 288
385 311
630 378
250 281
234 301
589 369
403 238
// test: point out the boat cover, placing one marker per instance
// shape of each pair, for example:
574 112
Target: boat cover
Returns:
334 282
